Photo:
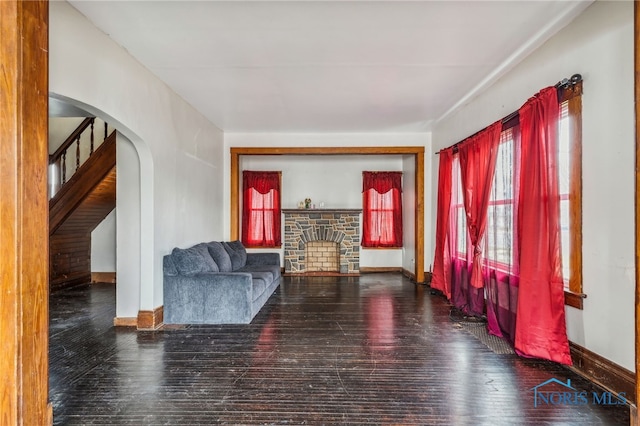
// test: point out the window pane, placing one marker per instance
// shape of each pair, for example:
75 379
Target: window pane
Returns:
564 169
461 233
565 240
499 230
460 217
500 234
381 216
502 188
564 150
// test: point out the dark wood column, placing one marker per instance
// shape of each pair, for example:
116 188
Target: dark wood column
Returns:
24 213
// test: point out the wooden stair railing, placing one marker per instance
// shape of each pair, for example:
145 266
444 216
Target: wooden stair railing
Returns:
83 181
58 159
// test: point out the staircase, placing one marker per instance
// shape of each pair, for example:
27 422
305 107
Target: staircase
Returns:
81 203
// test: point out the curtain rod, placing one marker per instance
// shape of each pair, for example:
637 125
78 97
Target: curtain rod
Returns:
562 84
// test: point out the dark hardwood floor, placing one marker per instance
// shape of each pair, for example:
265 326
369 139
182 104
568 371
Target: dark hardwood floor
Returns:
324 350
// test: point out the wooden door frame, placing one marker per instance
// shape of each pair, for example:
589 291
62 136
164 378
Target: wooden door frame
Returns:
636 42
416 151
24 213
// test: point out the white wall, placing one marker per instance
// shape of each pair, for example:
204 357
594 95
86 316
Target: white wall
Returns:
59 130
598 45
335 180
103 245
327 175
180 152
128 207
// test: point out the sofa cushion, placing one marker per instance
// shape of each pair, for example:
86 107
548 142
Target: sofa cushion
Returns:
266 276
220 256
273 269
258 286
191 261
203 249
237 253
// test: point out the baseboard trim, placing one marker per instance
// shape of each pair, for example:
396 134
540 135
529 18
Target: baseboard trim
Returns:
318 274
409 274
103 277
151 320
69 281
373 269
603 372
125 321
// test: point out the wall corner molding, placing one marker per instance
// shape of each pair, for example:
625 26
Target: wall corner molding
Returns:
151 320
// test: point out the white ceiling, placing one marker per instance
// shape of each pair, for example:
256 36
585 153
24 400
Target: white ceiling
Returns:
323 66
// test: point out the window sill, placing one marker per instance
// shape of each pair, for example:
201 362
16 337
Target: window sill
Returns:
381 248
574 299
263 247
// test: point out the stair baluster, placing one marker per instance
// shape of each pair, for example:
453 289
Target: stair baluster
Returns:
64 167
91 147
78 153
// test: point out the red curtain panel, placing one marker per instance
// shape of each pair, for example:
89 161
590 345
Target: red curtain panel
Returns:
500 264
382 209
261 209
477 165
441 275
540 326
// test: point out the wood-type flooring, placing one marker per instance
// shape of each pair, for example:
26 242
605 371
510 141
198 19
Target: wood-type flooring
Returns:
375 349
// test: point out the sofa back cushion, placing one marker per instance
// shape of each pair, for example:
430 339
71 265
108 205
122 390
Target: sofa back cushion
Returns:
203 249
237 253
193 260
220 256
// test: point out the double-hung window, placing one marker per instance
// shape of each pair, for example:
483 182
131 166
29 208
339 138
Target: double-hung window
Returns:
570 173
459 217
499 250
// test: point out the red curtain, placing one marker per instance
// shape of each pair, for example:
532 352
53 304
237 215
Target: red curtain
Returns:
382 209
477 165
500 258
261 209
540 326
441 275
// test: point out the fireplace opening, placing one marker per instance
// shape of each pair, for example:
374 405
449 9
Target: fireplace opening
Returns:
322 256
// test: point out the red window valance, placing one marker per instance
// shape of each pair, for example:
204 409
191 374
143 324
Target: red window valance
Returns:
263 182
382 182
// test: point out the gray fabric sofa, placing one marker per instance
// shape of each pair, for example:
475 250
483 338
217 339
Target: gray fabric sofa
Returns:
217 283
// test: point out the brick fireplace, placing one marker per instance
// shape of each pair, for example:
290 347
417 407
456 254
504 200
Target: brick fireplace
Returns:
322 241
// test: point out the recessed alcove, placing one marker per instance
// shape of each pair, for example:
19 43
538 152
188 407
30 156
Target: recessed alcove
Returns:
413 161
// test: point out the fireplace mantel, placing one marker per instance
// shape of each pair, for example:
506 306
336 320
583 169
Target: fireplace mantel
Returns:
324 210
339 226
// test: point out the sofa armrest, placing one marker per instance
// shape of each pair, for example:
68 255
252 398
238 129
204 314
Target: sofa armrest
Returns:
255 259
218 297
